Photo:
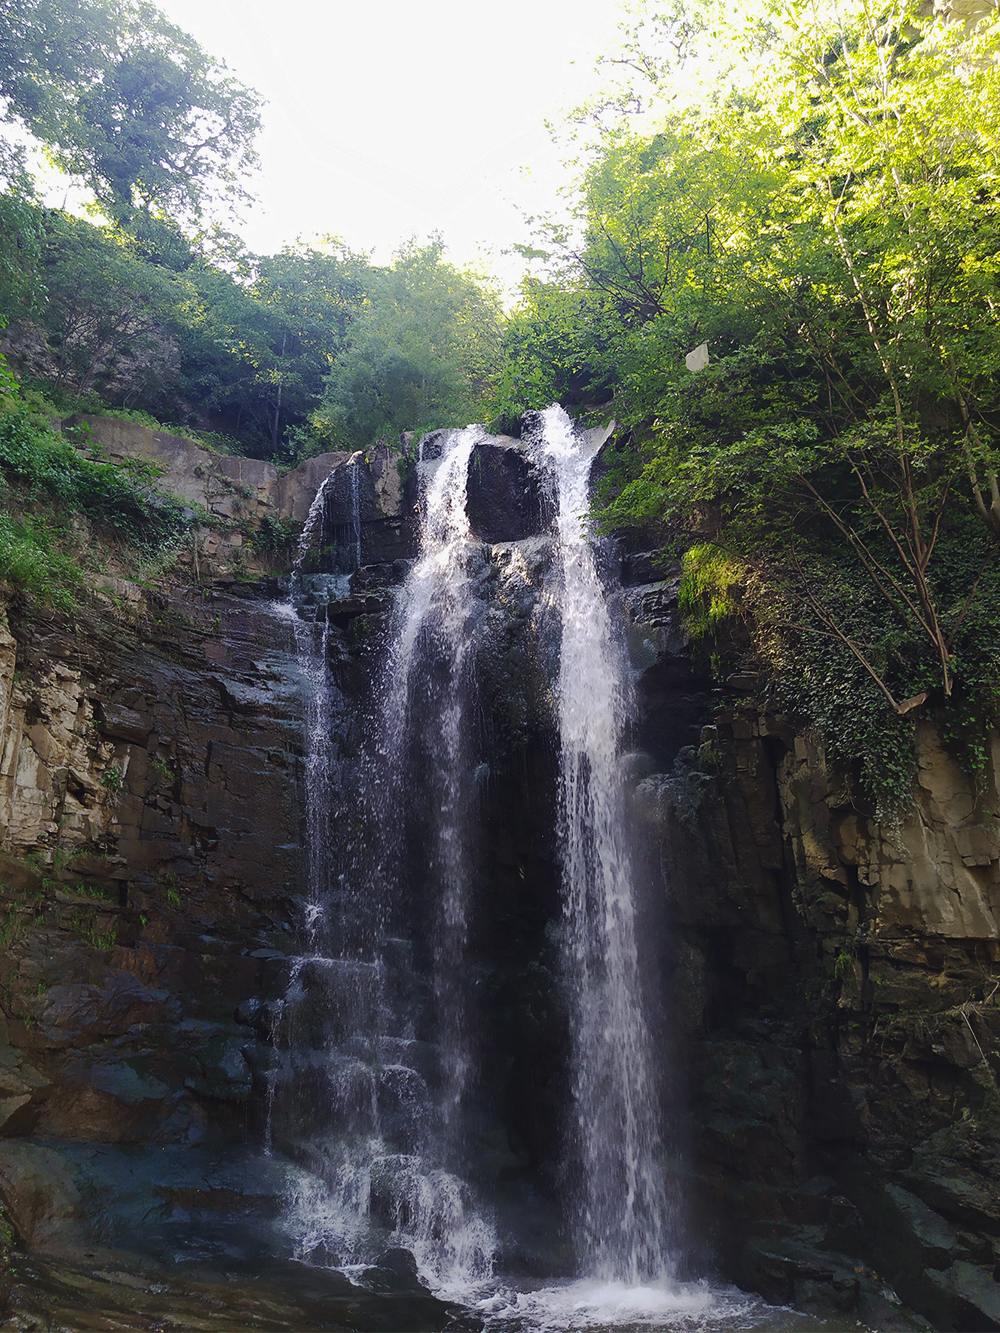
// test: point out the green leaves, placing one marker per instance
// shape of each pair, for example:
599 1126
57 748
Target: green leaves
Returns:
129 103
831 233
29 560
418 354
116 497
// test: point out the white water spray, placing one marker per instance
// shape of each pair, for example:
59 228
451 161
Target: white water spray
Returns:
622 1218
436 607
381 1140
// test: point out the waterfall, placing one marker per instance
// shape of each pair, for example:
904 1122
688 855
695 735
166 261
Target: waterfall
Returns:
622 1220
436 611
312 529
356 507
318 526
363 1101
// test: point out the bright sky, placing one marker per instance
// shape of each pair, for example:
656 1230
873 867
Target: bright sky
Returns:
397 118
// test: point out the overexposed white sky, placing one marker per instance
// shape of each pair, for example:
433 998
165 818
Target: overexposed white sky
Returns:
400 118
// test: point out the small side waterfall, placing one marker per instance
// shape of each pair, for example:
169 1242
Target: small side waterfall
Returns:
622 1222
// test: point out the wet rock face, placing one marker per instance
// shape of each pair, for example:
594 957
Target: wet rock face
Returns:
368 516
832 983
506 501
148 799
370 502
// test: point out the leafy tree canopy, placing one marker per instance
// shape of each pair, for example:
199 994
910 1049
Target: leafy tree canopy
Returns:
419 353
830 230
129 103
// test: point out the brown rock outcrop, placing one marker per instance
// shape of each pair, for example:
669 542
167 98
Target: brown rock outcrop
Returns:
837 979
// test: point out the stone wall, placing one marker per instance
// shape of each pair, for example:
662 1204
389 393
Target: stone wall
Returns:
237 493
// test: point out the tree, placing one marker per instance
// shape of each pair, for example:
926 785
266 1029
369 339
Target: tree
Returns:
129 103
312 297
257 345
832 235
107 315
421 352
20 235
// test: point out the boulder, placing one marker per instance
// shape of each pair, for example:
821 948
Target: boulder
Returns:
41 1199
505 496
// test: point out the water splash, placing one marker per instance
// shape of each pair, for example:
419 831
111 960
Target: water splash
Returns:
622 1214
662 1307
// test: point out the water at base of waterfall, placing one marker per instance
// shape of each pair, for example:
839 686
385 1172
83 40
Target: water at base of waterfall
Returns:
588 1306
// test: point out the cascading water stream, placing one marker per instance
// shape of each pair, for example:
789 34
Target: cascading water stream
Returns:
623 1216
360 1106
434 623
377 1081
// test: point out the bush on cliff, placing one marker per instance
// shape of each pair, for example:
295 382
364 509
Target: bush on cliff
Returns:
829 231
30 561
39 465
47 486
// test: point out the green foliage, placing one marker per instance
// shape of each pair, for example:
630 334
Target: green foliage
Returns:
115 496
106 314
168 882
29 560
112 778
831 235
129 103
843 960
256 347
814 675
708 592
286 355
557 347
103 942
158 312
420 354
20 234
93 891
275 536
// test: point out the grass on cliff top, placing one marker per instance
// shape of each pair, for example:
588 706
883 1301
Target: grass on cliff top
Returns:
57 403
52 498
29 560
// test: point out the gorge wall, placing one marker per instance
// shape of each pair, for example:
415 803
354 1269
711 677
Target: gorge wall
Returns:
830 983
151 840
837 984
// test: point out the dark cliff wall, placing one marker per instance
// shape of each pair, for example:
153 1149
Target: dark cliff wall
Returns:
831 982
835 985
151 840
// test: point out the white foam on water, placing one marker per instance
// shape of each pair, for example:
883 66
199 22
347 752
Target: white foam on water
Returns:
434 1216
589 1306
